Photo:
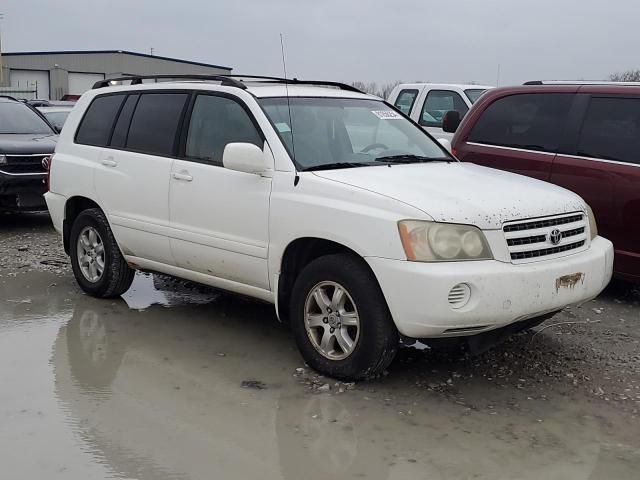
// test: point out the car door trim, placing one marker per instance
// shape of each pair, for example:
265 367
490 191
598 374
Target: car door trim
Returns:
601 160
513 149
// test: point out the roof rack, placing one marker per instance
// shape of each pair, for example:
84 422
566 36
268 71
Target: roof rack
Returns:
579 82
9 97
226 80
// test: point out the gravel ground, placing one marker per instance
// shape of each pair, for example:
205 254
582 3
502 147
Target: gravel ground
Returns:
559 401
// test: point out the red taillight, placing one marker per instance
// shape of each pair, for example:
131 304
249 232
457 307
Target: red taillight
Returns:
47 163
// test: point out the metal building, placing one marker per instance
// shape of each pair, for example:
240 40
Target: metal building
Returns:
52 75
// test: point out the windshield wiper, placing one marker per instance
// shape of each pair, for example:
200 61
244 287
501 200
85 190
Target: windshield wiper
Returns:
333 166
410 158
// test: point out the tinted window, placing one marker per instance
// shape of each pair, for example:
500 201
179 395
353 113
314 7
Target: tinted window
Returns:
155 123
405 100
529 121
215 122
97 122
611 130
119 136
439 102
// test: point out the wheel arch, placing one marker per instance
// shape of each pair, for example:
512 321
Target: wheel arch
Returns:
72 208
298 254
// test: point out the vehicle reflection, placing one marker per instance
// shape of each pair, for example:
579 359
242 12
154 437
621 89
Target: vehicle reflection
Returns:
155 394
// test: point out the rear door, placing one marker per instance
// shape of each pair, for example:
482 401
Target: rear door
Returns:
520 133
435 104
132 178
604 168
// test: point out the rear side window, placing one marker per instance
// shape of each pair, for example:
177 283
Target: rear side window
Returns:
439 102
405 100
216 122
531 121
611 130
155 123
97 122
119 136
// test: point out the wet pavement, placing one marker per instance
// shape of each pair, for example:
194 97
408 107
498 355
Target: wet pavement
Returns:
177 381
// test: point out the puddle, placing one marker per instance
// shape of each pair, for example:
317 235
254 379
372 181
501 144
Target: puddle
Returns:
129 388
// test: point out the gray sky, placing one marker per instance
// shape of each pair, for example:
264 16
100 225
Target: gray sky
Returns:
369 40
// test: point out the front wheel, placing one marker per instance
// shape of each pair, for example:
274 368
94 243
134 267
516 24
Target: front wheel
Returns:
340 319
99 267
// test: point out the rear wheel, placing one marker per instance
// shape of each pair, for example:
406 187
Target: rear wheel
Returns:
340 319
99 267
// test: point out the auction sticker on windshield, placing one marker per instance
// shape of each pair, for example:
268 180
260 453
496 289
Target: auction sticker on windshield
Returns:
386 114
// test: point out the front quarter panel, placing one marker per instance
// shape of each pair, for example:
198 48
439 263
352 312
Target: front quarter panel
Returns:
364 221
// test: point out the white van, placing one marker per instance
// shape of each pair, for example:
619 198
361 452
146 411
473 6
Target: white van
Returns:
427 103
323 201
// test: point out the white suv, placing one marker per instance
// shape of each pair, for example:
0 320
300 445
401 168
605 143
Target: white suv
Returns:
349 218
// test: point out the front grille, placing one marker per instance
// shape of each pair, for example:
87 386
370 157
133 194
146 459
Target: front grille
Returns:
528 240
17 164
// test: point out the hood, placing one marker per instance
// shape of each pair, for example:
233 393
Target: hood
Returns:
462 192
22 144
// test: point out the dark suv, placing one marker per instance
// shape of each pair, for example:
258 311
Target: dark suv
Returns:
26 140
584 137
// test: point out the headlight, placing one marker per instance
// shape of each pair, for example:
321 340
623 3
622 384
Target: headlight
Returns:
593 226
442 242
3 160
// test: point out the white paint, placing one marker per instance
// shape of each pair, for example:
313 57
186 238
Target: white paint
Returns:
32 80
423 90
82 82
230 229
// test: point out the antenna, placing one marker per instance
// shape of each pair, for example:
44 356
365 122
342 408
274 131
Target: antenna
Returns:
286 87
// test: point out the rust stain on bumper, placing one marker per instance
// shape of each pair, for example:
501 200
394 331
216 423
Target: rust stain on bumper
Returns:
569 281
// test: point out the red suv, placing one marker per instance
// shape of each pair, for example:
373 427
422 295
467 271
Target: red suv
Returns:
584 137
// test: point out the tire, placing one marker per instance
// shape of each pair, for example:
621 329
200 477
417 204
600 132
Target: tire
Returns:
374 342
116 276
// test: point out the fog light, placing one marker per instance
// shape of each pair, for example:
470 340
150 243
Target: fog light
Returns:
459 295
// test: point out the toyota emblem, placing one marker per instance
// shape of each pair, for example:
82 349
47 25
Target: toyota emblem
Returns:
555 236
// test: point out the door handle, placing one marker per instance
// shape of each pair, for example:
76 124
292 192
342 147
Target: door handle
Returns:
109 162
183 175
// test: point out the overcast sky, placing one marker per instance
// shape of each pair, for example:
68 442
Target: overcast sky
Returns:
369 40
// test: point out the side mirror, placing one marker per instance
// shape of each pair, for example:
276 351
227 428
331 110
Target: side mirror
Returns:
445 143
451 121
243 157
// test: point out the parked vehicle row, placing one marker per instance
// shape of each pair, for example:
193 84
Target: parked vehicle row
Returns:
583 137
359 227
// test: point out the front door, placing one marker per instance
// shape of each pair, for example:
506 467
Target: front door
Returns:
219 217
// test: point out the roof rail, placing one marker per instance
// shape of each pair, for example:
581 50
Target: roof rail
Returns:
231 80
137 79
9 97
579 82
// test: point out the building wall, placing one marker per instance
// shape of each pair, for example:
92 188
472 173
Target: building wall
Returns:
109 64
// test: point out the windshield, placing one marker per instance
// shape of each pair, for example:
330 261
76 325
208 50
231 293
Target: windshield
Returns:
348 132
474 94
18 118
57 119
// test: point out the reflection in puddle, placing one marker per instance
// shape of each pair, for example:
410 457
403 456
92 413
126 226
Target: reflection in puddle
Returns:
151 289
149 395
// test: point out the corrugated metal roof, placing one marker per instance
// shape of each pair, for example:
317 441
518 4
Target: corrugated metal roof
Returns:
124 52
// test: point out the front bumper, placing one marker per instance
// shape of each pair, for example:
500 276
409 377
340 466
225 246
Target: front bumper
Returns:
501 293
22 192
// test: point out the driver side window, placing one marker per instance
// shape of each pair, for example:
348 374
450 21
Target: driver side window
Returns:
439 102
215 122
